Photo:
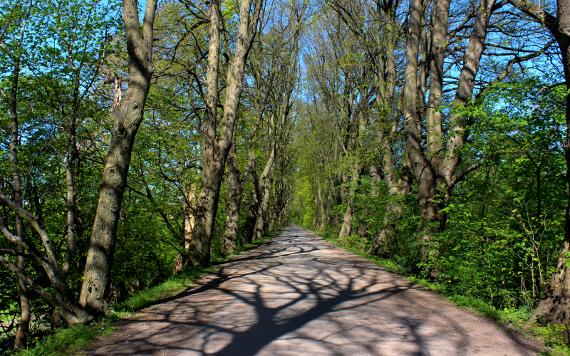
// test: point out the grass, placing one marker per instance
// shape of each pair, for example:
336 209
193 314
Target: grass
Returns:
555 337
70 340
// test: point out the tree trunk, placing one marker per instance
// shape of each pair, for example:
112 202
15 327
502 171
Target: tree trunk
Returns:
111 190
188 227
128 116
556 306
322 209
71 167
189 216
419 164
264 192
440 24
392 217
229 244
465 87
346 227
216 151
387 135
25 311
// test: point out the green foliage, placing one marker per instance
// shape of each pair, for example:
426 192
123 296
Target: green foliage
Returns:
72 339
505 220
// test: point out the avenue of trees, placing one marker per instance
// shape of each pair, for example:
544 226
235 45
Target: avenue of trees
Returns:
142 140
434 133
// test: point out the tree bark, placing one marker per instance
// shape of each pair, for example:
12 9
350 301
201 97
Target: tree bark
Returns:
346 227
264 190
72 160
128 116
419 164
387 135
465 86
439 24
215 152
358 147
229 243
25 309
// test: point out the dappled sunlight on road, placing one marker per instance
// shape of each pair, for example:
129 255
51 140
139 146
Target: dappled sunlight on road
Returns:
298 295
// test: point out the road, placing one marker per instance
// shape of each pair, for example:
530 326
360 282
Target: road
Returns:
299 295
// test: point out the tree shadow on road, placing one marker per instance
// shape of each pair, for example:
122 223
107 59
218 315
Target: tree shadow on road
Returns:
289 297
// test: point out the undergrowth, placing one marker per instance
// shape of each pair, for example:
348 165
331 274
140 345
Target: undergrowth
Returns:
72 339
555 337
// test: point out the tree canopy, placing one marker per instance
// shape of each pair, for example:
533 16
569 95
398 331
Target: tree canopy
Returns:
140 140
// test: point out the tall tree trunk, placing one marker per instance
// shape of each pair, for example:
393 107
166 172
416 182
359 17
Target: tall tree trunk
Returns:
25 310
556 306
440 24
387 134
419 164
128 116
189 216
264 192
346 227
212 170
188 227
229 243
354 177
322 209
465 87
71 168
216 151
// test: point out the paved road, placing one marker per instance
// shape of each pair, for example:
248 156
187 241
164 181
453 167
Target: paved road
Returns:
299 295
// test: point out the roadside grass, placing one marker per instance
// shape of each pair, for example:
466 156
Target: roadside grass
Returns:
71 340
555 337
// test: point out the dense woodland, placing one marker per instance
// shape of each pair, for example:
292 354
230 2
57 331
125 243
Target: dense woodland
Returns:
142 140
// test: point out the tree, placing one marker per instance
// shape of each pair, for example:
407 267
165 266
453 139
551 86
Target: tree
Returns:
128 114
215 149
556 305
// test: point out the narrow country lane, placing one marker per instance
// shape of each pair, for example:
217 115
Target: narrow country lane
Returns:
299 295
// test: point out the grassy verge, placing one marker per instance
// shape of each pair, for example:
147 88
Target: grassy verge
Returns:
554 336
71 340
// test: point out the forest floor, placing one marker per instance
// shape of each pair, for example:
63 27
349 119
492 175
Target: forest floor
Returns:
300 295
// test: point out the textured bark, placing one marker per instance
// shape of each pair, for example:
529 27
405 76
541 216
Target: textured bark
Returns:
24 303
128 116
235 185
215 152
189 216
387 136
465 86
358 148
419 164
428 167
346 227
71 167
559 299
322 204
199 244
440 24
188 226
264 189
